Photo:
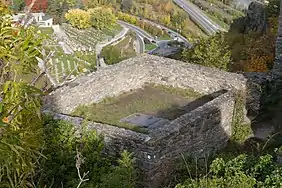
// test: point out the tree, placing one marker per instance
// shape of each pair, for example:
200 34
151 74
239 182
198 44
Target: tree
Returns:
101 17
126 5
211 52
18 5
78 18
20 117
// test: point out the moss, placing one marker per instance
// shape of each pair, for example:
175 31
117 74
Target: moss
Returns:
240 131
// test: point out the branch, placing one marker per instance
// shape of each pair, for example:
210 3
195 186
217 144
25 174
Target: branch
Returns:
79 161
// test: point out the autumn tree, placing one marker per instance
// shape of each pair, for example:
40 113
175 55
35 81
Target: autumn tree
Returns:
78 18
211 52
258 53
102 18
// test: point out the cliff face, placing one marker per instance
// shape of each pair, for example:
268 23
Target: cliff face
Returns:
277 68
255 19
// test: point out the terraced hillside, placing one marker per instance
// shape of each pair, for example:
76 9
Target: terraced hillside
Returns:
81 47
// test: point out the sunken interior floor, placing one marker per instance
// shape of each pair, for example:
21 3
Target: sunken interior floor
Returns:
153 100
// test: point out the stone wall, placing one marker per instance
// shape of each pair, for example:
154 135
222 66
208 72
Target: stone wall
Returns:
277 67
134 73
201 131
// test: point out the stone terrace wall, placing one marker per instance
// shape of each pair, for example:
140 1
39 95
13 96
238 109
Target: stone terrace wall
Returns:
133 73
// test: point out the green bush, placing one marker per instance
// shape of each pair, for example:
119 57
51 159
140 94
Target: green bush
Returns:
243 171
59 166
211 52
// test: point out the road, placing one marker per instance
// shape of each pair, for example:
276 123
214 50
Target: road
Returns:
179 36
140 41
101 45
162 45
138 30
199 17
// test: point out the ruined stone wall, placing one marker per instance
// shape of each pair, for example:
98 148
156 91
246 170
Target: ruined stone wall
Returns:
277 67
199 132
134 73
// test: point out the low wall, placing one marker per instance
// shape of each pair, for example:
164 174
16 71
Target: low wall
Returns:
133 73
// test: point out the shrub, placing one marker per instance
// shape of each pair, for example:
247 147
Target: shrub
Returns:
242 171
63 143
102 18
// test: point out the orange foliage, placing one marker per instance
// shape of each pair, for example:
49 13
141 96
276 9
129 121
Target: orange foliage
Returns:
258 53
256 64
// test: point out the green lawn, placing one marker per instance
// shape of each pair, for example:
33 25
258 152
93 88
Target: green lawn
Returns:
158 100
46 30
149 47
164 37
122 50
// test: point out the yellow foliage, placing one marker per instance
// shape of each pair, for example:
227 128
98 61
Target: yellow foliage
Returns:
78 18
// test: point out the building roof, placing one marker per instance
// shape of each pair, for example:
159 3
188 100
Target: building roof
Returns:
46 17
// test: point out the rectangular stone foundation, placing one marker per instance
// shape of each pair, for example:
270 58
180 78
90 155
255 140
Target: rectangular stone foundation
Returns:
198 132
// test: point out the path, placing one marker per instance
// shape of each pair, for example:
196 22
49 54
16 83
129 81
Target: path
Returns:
101 45
60 33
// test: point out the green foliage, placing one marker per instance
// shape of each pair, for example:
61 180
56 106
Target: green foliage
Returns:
62 142
122 175
102 17
20 138
240 131
112 55
57 9
242 171
211 52
78 18
18 5
273 8
18 49
20 126
116 53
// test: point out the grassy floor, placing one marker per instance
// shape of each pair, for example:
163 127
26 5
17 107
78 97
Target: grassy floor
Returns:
149 47
158 100
46 30
164 37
